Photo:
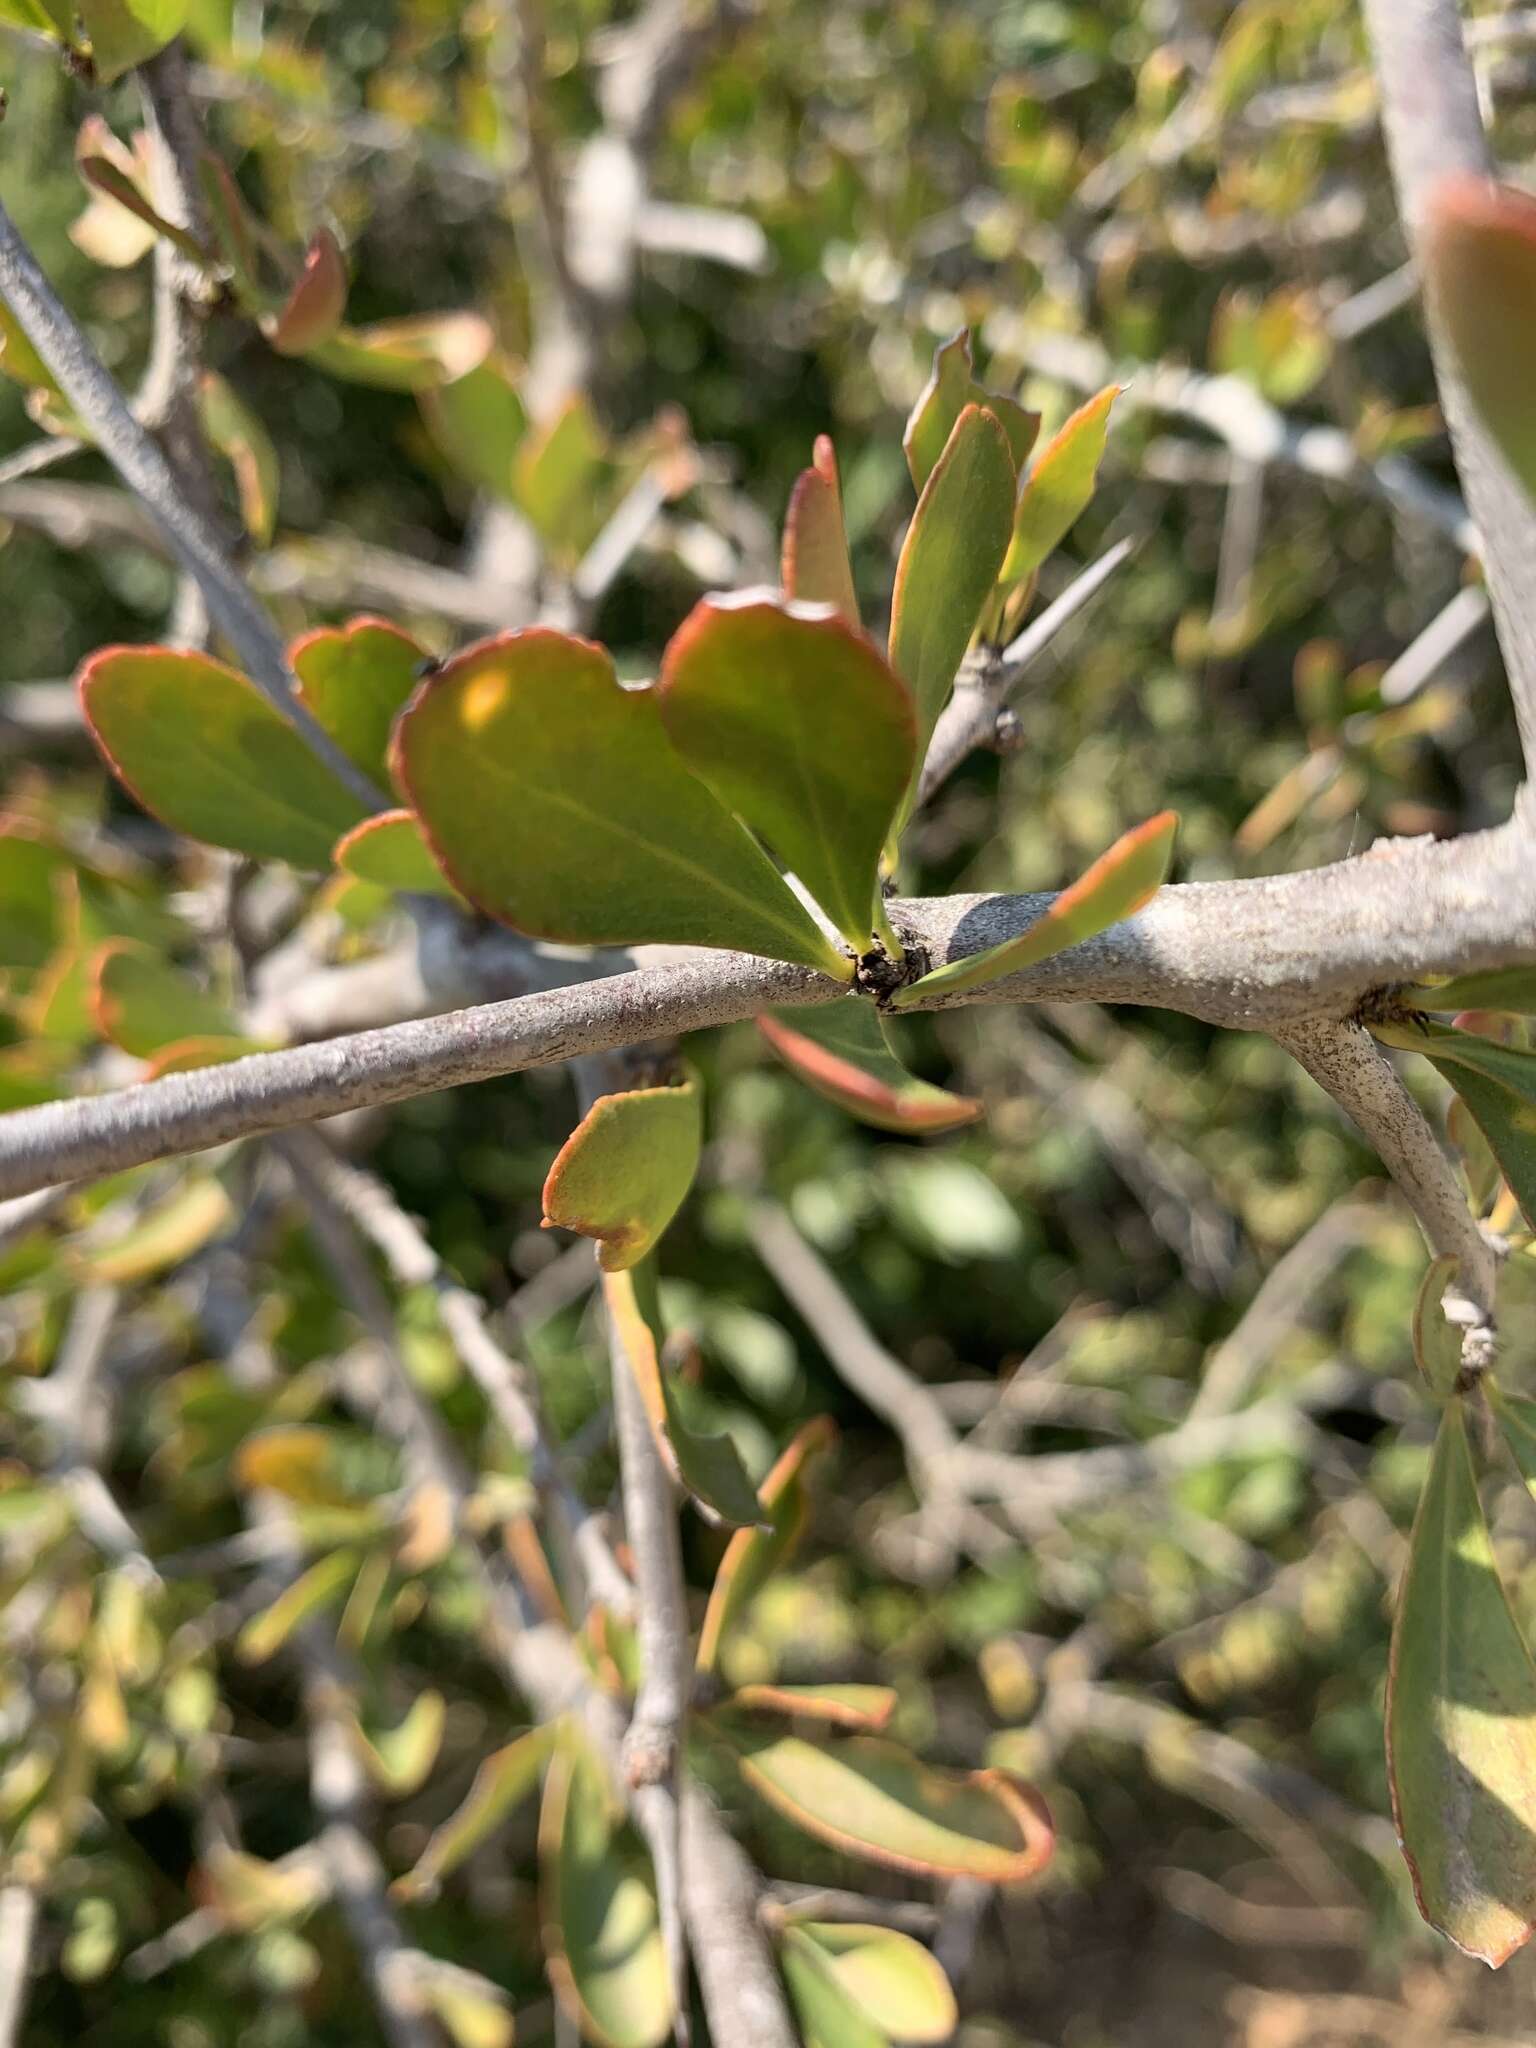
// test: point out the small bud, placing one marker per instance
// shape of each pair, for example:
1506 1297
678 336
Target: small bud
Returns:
1007 731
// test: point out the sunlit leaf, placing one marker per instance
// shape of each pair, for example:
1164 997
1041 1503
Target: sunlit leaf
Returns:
892 1979
399 1760
1059 486
391 850
949 562
313 309
1480 266
871 1798
707 1467
951 387
415 354
321 1586
554 800
121 176
165 1235
753 1555
843 1051
867 1708
1516 1417
602 1934
828 2015
124 32
1500 988
234 432
198 745
473 2012
141 1002
1461 1720
624 1172
294 1460
1280 343
814 565
795 722
500 1786
1115 887
248 1893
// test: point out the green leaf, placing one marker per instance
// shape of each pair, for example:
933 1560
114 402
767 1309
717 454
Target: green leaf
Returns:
125 32
867 1708
624 1172
355 679
1058 487
1280 343
416 354
1501 988
391 850
500 1786
1498 1085
234 432
753 1555
707 1467
554 800
473 2012
828 2015
949 1207
313 309
602 1934
1115 887
814 565
321 1586
1437 1342
233 229
843 1051
1461 1720
873 1799
19 360
142 1003
950 389
949 562
1480 265
49 17
892 1979
399 1760
480 422
1516 1417
557 474
793 720
30 874
198 745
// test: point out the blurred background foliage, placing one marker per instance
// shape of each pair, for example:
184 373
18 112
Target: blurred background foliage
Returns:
1194 1667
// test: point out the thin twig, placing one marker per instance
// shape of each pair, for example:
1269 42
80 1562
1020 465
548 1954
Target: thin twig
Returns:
144 467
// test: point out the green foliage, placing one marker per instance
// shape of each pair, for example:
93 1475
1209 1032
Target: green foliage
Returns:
624 1172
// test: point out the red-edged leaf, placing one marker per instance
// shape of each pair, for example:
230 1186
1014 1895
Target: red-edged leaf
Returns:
356 679
843 1051
501 1784
391 850
893 1982
143 1004
1115 887
874 1799
708 1468
199 745
1461 1720
753 1555
416 354
554 800
867 1708
313 309
624 1172
234 431
815 566
795 722
1059 486
1480 265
